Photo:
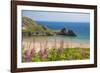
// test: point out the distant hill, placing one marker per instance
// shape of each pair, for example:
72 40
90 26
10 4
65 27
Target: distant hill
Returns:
30 27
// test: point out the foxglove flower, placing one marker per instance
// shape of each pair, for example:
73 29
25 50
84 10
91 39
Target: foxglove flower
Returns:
33 51
43 54
27 56
61 46
60 50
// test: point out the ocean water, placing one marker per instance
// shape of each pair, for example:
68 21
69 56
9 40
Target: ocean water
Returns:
81 29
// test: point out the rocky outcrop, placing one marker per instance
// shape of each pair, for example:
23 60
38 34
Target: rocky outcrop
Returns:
67 32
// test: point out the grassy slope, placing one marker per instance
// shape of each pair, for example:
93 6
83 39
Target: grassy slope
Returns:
32 26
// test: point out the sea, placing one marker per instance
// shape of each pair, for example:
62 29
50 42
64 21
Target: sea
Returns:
81 29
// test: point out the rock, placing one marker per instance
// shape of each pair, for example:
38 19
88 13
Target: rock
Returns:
67 32
71 33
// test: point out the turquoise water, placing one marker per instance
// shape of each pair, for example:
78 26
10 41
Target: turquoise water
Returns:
82 30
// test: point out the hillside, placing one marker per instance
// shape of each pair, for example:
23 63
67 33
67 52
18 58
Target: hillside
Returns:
30 27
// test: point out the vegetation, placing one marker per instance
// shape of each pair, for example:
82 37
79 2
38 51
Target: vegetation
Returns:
56 54
31 26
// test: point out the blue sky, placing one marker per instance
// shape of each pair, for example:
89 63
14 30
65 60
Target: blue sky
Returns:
56 16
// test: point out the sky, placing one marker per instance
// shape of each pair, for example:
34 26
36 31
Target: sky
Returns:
56 16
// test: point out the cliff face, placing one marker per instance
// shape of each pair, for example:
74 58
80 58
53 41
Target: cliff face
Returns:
30 27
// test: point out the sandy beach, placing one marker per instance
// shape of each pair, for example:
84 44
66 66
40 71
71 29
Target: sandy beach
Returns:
43 45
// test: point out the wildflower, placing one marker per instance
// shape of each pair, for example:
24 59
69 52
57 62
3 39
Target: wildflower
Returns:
43 54
33 51
27 56
60 50
61 46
